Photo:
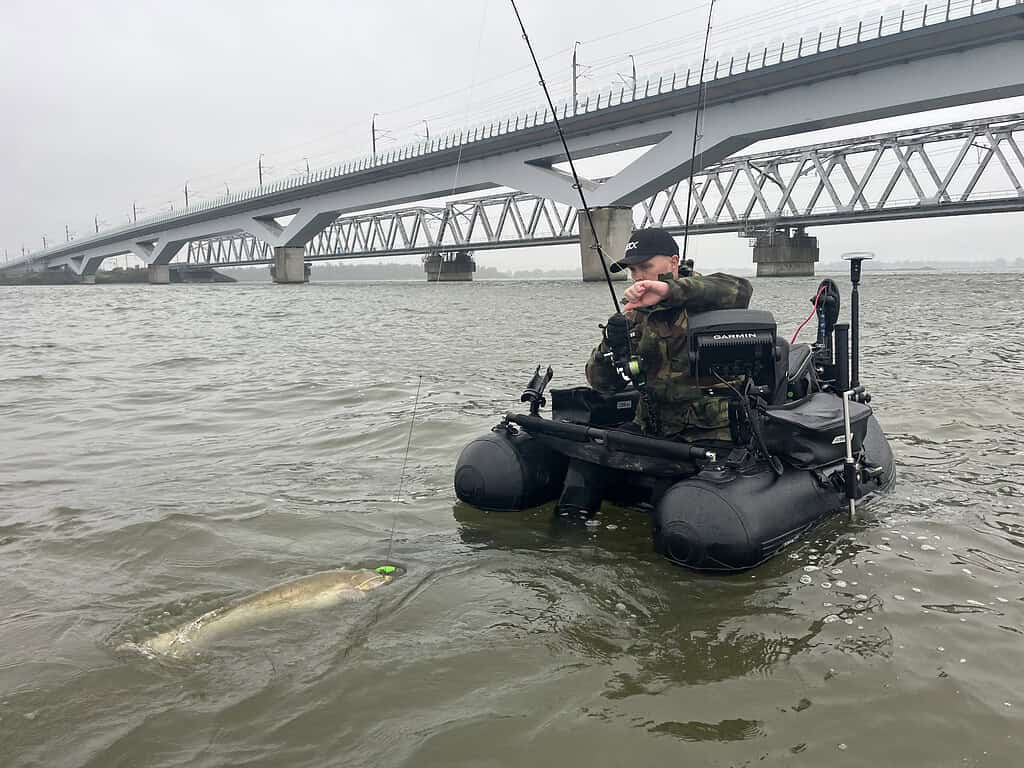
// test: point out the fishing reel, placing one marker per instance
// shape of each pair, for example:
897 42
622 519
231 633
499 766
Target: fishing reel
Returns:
621 339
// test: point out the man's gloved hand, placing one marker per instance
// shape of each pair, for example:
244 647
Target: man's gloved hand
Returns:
617 334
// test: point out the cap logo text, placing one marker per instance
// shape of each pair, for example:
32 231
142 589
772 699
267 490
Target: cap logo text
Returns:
631 245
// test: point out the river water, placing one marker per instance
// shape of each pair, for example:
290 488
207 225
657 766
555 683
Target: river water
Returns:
166 449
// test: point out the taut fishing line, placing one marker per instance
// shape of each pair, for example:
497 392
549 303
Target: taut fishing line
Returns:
387 569
401 475
469 97
465 121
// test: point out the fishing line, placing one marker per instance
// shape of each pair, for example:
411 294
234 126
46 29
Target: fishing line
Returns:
462 145
469 96
697 117
401 479
388 569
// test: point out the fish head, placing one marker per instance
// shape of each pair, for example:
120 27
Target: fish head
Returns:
361 579
378 576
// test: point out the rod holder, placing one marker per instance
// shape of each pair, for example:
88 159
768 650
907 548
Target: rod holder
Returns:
856 259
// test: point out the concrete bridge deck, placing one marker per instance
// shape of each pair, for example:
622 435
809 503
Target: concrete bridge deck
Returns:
880 69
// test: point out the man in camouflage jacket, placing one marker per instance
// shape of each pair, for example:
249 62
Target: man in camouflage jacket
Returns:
658 306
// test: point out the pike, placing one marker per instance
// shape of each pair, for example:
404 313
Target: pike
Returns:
319 590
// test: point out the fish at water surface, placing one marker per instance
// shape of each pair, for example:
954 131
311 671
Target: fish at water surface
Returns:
318 590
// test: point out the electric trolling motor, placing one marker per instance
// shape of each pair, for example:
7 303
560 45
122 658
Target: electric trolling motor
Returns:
830 348
853 472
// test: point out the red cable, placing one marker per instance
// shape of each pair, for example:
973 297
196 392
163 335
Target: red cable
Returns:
814 309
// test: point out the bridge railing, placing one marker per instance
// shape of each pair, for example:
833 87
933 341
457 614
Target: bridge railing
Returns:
832 37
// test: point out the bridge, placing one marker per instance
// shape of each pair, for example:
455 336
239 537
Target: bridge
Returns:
952 169
939 55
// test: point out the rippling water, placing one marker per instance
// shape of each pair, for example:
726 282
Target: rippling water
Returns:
165 449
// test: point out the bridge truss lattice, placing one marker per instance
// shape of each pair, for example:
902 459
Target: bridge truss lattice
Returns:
942 170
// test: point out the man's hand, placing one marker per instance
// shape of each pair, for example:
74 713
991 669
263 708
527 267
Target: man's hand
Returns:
645 293
617 334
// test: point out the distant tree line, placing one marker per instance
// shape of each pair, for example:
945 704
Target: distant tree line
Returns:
971 265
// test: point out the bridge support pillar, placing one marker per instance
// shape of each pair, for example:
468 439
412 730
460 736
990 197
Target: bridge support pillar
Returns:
289 265
159 274
778 253
449 266
613 226
87 279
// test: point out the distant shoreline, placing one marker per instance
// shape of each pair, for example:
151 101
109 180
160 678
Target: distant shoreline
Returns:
409 273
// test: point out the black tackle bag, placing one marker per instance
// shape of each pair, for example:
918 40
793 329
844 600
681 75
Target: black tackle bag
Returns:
809 433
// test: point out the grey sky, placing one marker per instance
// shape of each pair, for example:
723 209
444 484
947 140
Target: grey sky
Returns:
115 101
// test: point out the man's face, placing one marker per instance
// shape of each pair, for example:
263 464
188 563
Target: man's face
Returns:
654 266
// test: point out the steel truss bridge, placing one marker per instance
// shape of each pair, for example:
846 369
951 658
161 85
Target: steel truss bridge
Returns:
941 170
931 56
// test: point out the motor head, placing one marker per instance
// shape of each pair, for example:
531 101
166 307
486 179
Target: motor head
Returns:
827 309
856 258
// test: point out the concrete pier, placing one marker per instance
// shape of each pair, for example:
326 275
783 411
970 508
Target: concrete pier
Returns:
289 265
614 226
88 279
778 253
159 274
449 266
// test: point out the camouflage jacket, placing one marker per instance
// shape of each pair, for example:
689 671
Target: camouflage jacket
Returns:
662 346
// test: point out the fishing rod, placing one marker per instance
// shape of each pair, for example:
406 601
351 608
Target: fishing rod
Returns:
701 89
572 165
631 367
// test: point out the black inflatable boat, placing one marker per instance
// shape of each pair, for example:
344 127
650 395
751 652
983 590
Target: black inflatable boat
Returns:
805 444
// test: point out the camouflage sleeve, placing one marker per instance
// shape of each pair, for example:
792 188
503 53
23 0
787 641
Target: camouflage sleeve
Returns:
702 293
601 374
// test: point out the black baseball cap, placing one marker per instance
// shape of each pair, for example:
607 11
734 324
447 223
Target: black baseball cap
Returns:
645 243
